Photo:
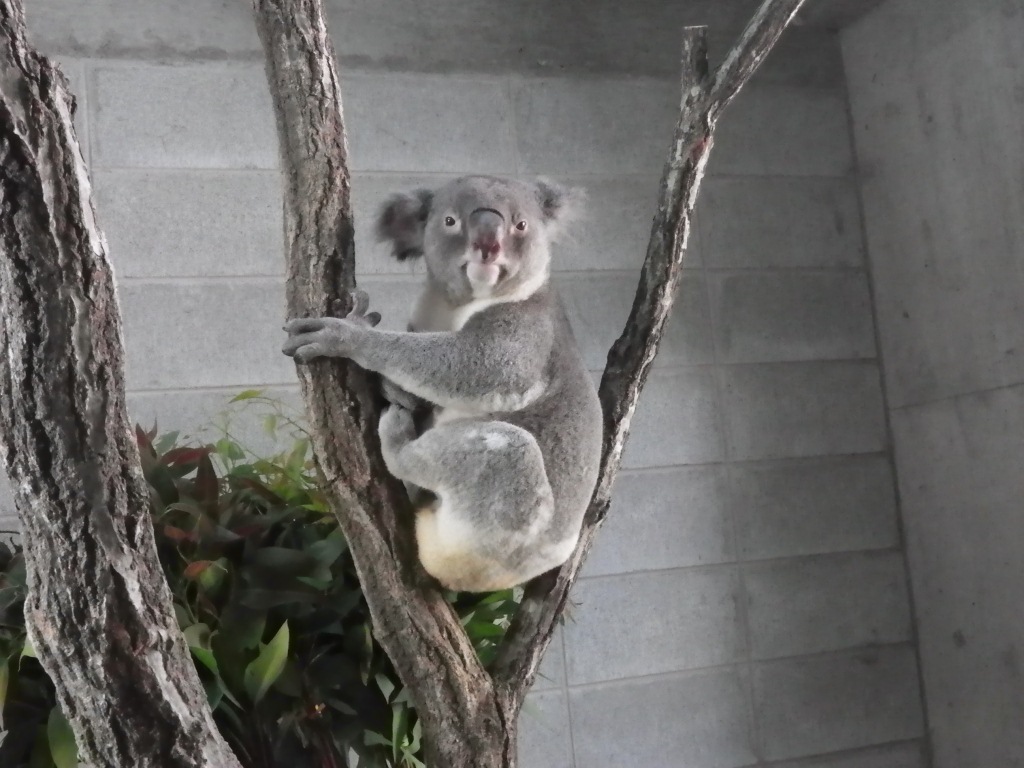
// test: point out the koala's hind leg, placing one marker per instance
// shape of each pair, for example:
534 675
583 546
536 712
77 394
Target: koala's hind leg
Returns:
493 499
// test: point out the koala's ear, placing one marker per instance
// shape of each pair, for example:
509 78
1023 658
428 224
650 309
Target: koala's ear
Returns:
558 205
402 220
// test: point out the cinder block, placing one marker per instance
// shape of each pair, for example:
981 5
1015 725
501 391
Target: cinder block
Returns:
804 56
781 316
813 506
184 29
802 409
826 603
394 298
664 519
664 621
608 126
614 226
211 333
223 333
823 704
202 416
946 263
552 667
428 123
676 420
835 14
544 739
779 130
780 222
192 223
909 755
697 720
598 305
961 473
210 116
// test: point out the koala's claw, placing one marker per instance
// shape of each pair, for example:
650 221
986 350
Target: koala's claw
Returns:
361 303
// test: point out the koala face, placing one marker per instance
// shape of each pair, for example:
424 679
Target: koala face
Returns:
481 236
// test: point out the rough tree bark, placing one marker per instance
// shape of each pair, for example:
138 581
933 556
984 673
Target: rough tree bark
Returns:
99 610
469 714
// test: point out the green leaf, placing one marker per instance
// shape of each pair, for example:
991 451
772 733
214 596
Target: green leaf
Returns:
399 726
5 679
247 394
61 739
270 424
386 686
242 627
27 651
265 668
272 598
374 739
197 636
328 550
166 442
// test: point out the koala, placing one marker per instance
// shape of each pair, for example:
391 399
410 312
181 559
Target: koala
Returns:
509 454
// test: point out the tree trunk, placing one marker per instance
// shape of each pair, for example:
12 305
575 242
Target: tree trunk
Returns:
99 610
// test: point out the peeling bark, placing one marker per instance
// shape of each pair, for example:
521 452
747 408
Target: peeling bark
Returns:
99 610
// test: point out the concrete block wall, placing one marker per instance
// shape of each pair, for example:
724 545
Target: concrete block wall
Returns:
746 602
938 105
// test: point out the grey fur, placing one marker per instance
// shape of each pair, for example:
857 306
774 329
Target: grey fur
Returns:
511 456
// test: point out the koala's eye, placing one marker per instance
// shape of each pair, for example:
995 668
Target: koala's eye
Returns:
521 225
449 221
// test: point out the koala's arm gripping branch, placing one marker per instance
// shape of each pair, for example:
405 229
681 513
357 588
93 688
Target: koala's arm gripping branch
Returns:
704 96
433 366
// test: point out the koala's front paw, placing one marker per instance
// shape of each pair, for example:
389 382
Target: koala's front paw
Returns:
312 337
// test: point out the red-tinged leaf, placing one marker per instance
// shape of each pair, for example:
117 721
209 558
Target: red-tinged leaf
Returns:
259 489
184 455
143 440
195 570
207 488
178 535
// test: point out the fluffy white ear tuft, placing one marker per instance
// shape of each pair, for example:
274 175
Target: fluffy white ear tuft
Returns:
402 220
559 205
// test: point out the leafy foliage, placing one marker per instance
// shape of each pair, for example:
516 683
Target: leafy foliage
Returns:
268 599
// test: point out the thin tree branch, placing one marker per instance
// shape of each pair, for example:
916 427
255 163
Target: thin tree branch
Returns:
629 361
98 610
755 42
417 628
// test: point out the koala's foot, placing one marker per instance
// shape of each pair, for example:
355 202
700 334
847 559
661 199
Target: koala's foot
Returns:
396 429
397 396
